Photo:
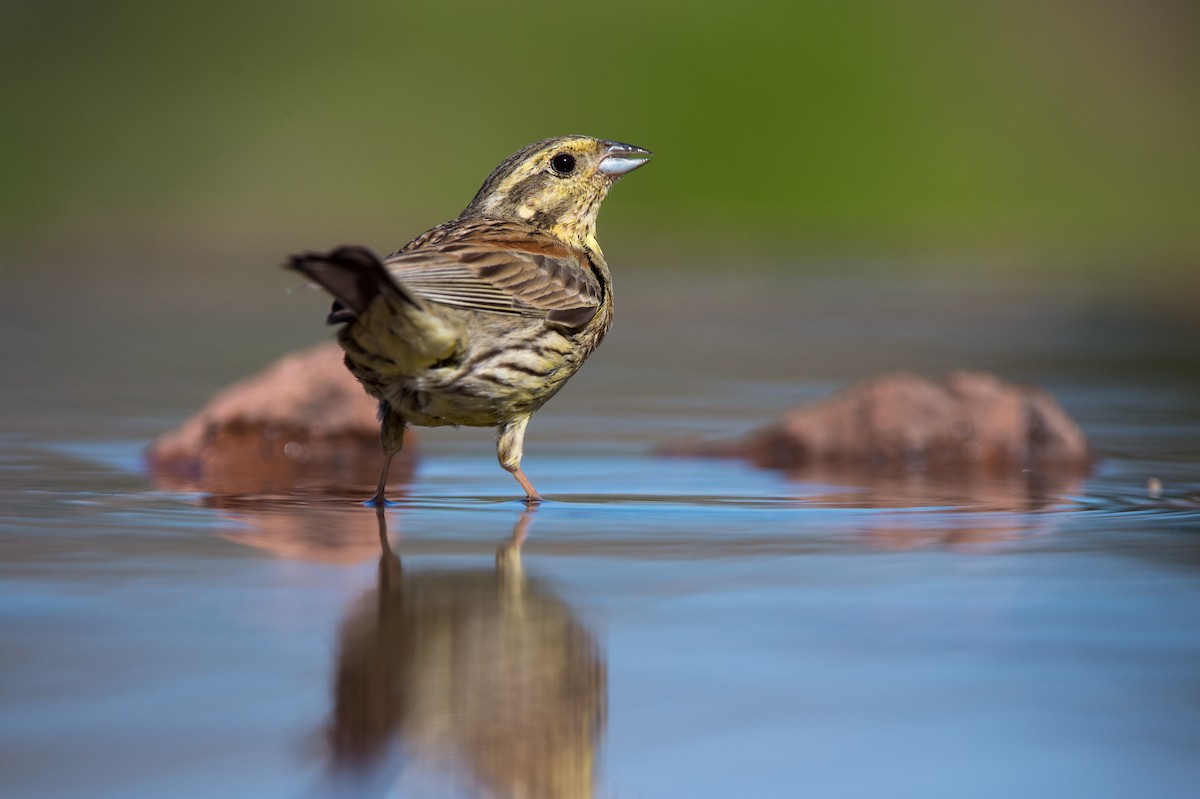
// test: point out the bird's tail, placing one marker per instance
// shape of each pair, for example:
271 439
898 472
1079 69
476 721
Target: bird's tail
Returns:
392 330
354 275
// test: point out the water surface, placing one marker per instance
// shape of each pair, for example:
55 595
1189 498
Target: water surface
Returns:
670 627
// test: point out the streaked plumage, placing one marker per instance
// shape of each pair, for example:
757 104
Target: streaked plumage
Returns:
482 319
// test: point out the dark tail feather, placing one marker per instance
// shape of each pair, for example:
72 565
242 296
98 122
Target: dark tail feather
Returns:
354 275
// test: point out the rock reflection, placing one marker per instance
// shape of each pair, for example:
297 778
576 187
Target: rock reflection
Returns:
482 677
1018 492
301 529
966 508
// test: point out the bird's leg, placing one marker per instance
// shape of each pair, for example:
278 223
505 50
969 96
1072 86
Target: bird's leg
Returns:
509 448
391 436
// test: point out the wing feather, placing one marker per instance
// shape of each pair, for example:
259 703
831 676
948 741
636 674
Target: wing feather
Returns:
507 272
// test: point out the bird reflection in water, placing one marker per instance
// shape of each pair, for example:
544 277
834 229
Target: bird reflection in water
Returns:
481 682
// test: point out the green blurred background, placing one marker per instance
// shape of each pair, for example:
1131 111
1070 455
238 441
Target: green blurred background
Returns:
1060 134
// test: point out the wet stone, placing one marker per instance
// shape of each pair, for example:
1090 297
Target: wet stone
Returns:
970 421
302 424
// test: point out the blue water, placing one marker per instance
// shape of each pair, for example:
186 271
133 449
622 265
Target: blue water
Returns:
676 627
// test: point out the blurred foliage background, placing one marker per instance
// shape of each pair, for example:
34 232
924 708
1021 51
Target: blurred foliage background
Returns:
1058 132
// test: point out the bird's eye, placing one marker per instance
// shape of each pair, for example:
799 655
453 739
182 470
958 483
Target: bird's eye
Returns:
563 163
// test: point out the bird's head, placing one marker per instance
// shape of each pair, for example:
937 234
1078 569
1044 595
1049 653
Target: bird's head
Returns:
556 185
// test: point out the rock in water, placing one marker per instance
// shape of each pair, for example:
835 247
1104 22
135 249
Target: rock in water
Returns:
899 421
302 424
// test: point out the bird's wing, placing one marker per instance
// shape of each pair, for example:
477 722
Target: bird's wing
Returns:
521 275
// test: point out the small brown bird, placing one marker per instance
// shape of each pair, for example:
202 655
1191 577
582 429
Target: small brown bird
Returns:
480 320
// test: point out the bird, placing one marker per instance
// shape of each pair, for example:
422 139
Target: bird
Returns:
480 320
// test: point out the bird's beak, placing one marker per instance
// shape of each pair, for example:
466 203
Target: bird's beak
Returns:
622 158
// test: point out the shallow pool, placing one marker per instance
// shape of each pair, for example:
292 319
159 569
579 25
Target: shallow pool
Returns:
670 627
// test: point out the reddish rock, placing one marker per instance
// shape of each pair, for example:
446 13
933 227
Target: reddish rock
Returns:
302 424
971 421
